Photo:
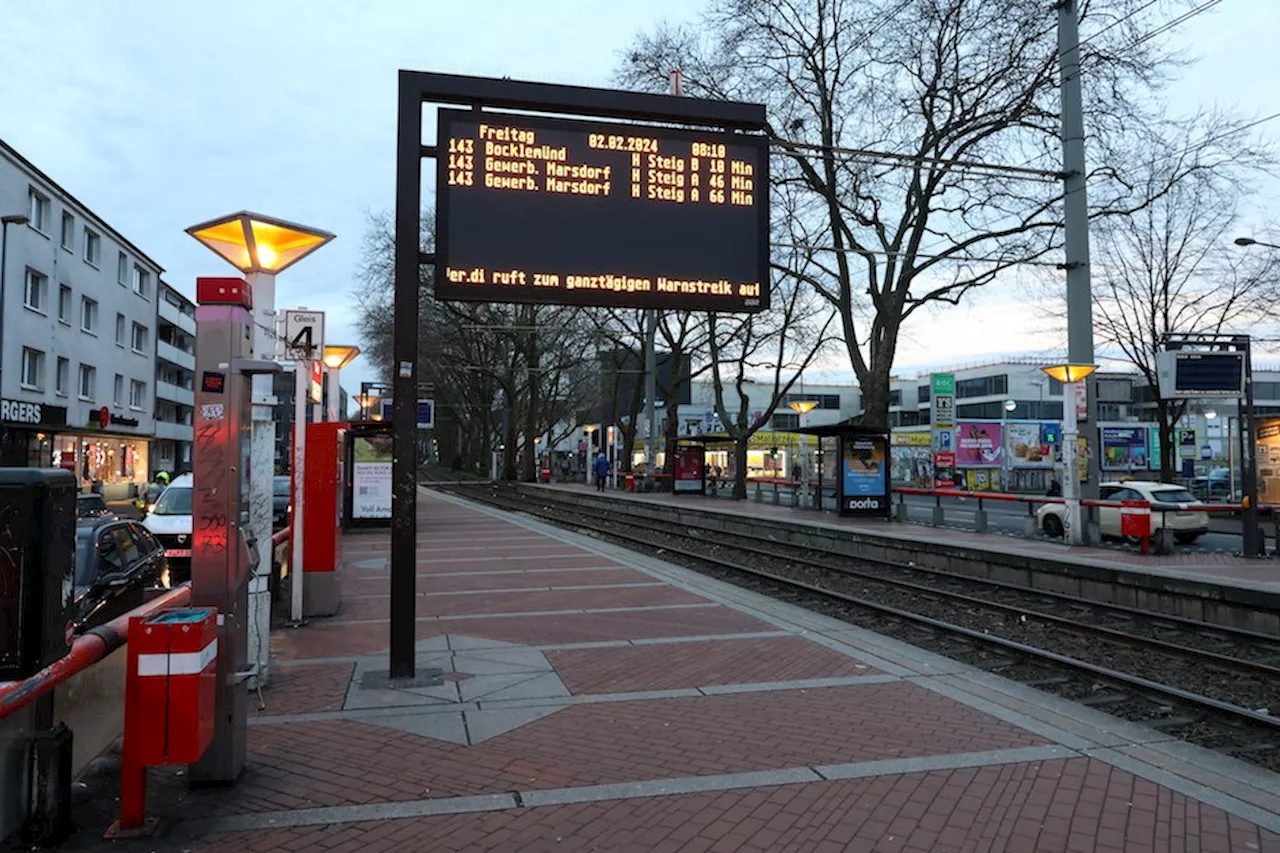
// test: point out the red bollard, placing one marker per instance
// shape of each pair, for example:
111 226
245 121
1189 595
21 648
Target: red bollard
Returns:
169 697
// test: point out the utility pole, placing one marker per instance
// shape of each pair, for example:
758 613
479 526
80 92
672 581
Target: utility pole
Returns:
1075 204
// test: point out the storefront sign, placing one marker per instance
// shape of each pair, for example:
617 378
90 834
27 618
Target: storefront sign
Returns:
1124 448
103 418
32 414
978 445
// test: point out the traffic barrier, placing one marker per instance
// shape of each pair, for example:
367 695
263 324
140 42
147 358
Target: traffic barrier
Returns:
1135 520
169 704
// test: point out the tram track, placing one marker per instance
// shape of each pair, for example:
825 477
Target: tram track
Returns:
1222 692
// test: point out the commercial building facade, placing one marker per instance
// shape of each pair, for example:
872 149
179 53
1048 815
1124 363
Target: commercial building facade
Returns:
78 315
175 382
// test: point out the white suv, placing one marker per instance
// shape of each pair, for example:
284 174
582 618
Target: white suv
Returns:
1186 526
170 522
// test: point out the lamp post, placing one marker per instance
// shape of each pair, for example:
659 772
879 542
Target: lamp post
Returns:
336 357
5 222
802 408
1069 375
260 247
1249 241
1006 463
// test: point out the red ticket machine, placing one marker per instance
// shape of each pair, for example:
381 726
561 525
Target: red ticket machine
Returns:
322 512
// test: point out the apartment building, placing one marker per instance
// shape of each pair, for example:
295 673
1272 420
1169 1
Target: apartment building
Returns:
175 381
78 318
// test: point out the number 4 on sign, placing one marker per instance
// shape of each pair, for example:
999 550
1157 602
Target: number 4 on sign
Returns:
302 339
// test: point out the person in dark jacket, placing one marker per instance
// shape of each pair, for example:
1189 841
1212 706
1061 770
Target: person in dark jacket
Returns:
602 471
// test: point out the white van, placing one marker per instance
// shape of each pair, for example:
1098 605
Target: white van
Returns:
170 522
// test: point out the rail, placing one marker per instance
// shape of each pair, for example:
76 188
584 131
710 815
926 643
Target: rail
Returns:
86 650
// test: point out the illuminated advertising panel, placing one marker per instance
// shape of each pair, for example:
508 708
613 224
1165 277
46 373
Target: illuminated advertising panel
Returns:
573 212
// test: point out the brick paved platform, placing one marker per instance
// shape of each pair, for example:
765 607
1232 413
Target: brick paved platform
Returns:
594 699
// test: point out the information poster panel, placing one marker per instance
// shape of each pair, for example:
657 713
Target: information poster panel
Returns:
371 477
688 470
1124 448
864 476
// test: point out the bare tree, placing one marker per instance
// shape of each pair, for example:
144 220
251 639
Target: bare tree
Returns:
1170 267
764 352
884 112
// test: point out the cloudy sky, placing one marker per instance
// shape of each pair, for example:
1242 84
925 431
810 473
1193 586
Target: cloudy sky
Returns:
161 114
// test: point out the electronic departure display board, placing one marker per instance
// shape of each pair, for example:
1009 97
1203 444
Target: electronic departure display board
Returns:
571 212
1188 373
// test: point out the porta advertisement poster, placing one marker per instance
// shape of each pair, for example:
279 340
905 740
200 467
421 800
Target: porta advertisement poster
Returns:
864 476
371 477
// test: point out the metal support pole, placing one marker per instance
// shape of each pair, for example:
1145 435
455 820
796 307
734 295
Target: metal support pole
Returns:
1071 465
404 460
1075 204
301 382
650 385
1254 543
262 452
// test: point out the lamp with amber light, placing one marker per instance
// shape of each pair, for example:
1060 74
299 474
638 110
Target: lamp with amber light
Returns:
260 247
802 408
1069 375
366 402
336 357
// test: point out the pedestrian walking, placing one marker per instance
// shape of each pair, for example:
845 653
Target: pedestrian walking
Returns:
602 471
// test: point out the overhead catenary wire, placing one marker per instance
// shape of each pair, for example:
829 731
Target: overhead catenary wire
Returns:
806 247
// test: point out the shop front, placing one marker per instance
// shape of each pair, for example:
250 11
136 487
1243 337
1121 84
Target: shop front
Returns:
27 432
104 456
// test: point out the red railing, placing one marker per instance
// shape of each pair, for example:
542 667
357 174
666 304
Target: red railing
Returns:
86 650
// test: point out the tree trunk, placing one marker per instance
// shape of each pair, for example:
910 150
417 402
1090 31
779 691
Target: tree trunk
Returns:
875 399
740 465
1166 417
510 451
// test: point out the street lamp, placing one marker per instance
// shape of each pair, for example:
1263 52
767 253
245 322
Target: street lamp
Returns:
5 222
259 247
336 357
802 408
1249 241
1069 375
1006 463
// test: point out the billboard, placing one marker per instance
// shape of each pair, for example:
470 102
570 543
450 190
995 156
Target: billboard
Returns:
584 212
864 475
1124 448
978 444
912 459
1031 445
371 477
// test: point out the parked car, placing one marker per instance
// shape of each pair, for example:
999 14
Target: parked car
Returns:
1216 485
92 506
1186 526
281 502
117 560
170 521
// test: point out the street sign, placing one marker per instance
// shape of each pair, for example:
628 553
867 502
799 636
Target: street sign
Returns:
426 414
303 334
316 389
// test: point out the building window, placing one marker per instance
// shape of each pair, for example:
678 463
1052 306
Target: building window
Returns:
88 382
62 377
139 339
122 269
68 232
1055 387
922 393
39 213
64 304
120 330
983 386
88 315
33 293
117 390
141 281
137 394
786 421
92 247
32 369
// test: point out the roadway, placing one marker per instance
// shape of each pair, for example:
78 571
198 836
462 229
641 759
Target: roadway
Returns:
1010 518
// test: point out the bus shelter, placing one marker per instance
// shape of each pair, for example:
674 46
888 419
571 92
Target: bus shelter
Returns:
855 461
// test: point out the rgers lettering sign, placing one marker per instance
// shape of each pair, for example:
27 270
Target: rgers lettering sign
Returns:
32 414
590 213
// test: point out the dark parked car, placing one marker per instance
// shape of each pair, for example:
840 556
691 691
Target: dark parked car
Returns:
281 503
116 561
92 507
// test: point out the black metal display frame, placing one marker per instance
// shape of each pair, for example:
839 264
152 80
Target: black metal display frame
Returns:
416 89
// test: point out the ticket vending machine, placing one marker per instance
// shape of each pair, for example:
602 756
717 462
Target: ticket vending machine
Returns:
221 555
